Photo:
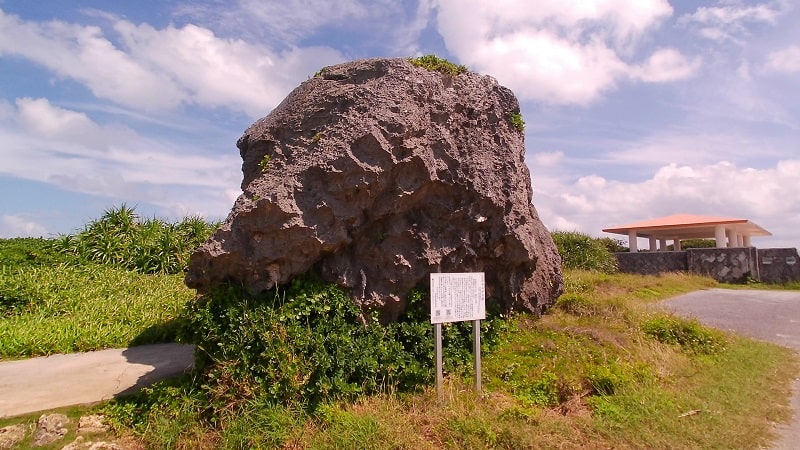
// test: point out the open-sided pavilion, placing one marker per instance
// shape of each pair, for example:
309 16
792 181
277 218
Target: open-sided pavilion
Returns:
726 231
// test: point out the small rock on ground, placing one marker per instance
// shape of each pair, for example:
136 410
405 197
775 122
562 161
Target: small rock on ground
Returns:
80 444
11 435
92 424
50 428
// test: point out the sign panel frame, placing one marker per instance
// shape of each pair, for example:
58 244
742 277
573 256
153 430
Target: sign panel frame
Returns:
458 297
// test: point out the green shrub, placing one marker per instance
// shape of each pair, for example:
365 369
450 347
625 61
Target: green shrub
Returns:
121 239
436 64
695 243
576 305
308 343
689 334
516 121
579 251
613 245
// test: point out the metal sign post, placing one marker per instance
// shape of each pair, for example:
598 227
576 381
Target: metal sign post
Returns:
476 343
437 338
458 297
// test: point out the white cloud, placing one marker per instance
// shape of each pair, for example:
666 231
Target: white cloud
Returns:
666 64
728 21
388 25
72 151
222 72
735 13
721 189
286 20
786 60
547 159
49 122
82 53
159 69
559 52
19 226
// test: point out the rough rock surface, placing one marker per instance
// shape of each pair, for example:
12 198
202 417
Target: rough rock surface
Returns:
50 428
11 435
93 423
376 173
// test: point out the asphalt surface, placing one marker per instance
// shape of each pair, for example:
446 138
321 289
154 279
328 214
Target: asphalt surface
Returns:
41 384
772 316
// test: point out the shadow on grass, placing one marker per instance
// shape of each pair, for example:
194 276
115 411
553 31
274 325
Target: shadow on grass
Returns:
159 333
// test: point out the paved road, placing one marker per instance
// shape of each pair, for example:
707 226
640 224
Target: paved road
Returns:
40 384
772 316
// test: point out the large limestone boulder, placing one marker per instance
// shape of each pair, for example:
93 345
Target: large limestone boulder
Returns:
377 173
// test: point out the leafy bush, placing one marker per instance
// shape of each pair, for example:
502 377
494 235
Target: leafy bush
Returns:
516 121
579 251
121 239
695 243
436 64
308 342
613 245
689 334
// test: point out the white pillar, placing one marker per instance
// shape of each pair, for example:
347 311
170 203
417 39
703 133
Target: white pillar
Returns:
653 244
633 245
677 245
739 240
719 236
662 245
746 240
731 238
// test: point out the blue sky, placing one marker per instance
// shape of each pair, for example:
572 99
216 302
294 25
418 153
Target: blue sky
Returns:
634 108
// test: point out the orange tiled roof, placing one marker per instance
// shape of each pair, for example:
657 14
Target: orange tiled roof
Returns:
675 223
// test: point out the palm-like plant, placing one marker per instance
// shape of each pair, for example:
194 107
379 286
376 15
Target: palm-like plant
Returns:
121 238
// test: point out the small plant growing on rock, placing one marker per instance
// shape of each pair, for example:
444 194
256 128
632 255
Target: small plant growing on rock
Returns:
516 121
264 164
317 137
436 64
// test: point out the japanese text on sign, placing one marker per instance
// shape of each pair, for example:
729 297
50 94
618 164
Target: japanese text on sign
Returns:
457 297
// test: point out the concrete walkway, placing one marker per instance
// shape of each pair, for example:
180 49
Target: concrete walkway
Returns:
40 384
772 316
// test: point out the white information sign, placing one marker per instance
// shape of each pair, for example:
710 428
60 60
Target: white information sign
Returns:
457 297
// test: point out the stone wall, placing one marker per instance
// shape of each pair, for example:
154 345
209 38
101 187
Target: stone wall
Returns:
778 265
652 263
726 265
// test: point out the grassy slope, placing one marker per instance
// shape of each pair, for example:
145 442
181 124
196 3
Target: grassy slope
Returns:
584 375
50 305
663 397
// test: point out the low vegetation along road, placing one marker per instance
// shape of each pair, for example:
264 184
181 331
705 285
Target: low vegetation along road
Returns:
772 316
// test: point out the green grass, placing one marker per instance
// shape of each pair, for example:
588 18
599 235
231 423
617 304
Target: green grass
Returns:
589 374
73 308
603 369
